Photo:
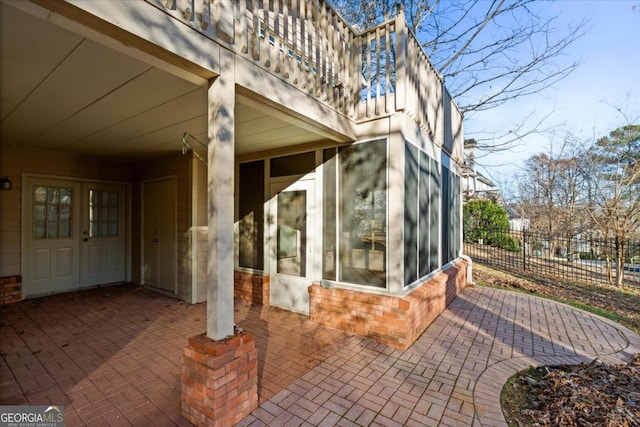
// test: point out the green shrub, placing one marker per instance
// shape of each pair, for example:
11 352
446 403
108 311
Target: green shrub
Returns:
504 241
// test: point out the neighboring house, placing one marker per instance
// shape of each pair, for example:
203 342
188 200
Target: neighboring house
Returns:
517 219
188 146
474 184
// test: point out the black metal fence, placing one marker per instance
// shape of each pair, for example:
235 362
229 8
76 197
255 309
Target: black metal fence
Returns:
581 259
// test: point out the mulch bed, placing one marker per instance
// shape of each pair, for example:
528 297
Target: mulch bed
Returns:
594 394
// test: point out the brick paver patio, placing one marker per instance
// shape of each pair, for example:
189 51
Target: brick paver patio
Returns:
112 356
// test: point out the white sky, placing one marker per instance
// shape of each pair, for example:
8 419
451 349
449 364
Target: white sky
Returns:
583 103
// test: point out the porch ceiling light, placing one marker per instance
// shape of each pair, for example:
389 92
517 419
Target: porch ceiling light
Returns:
5 183
186 146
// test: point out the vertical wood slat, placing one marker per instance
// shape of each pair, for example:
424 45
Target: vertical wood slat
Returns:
388 65
256 29
242 26
355 77
276 37
265 52
316 50
303 44
295 32
340 71
205 15
324 32
369 61
400 62
377 77
308 60
333 73
285 23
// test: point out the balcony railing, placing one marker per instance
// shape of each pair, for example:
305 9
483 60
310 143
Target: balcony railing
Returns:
363 75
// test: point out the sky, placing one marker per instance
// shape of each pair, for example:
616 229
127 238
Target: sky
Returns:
585 103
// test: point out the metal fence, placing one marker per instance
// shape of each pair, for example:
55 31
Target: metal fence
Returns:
580 259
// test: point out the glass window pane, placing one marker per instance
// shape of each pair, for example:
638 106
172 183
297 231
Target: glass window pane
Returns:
296 164
65 212
52 230
93 198
113 199
104 229
40 230
52 213
434 209
104 213
424 226
40 195
411 213
93 229
65 229
113 214
292 232
39 212
329 260
104 198
65 196
53 195
113 228
363 204
251 215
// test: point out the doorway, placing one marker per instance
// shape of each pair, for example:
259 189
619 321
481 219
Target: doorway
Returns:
159 234
292 243
73 234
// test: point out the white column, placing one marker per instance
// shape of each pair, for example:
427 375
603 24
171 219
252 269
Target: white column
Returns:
221 102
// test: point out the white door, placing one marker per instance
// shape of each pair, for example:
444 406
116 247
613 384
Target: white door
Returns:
51 236
103 234
74 235
292 242
159 234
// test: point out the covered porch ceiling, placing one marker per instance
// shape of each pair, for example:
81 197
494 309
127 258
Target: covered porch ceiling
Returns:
64 91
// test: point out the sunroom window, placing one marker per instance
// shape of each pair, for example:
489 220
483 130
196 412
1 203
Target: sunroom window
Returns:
361 215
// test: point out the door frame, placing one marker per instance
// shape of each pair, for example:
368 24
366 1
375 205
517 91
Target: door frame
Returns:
25 205
313 244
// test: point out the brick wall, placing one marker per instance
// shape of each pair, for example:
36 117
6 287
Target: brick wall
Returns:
10 289
219 380
253 288
392 320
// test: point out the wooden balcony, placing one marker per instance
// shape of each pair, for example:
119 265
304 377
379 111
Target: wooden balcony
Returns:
363 75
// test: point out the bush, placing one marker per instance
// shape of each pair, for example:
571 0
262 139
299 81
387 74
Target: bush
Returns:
504 241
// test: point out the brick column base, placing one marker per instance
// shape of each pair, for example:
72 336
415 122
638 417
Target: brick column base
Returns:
250 287
10 289
219 380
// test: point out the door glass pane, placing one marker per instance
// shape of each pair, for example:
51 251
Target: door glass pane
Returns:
40 230
52 230
65 229
40 195
103 213
53 195
52 212
292 232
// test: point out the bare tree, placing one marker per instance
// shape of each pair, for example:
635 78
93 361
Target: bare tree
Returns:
614 168
489 52
552 188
